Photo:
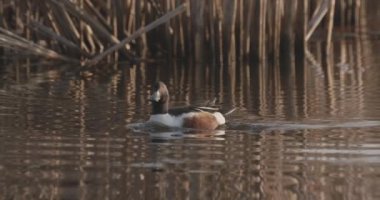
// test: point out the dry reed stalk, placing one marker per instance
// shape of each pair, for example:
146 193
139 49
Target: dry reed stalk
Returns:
47 31
330 25
247 28
319 13
180 31
229 11
2 22
254 31
288 22
138 33
50 21
342 7
197 26
357 12
99 30
89 5
64 23
185 30
132 14
279 8
118 7
139 21
211 38
108 10
239 29
222 25
13 41
28 17
18 24
172 31
302 24
262 32
82 43
270 17
167 28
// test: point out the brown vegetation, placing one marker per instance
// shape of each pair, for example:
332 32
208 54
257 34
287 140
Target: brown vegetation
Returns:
83 30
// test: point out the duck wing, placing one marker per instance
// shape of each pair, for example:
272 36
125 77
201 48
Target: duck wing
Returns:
209 106
181 110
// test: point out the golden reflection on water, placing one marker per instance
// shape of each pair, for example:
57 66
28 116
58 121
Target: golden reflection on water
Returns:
276 164
243 164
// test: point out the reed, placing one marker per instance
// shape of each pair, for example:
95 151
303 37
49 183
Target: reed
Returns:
220 30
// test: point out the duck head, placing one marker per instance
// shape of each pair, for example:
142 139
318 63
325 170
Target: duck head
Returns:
159 98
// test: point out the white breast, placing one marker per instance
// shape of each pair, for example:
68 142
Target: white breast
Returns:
169 120
177 121
219 118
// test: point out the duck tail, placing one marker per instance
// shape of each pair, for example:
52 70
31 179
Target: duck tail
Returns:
229 112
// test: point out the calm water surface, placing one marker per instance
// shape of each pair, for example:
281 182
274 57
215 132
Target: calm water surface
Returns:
302 134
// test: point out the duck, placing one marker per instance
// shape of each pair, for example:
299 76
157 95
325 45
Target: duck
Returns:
194 117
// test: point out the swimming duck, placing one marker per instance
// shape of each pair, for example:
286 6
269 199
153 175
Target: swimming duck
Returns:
208 118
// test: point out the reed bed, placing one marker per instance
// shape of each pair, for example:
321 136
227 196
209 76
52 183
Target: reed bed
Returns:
91 31
258 89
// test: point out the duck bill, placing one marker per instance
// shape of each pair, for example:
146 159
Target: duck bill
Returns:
155 96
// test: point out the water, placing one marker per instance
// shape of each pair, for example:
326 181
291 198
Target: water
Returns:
295 135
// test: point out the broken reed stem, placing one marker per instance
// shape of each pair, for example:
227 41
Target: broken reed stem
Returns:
318 15
13 41
46 30
85 17
138 33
